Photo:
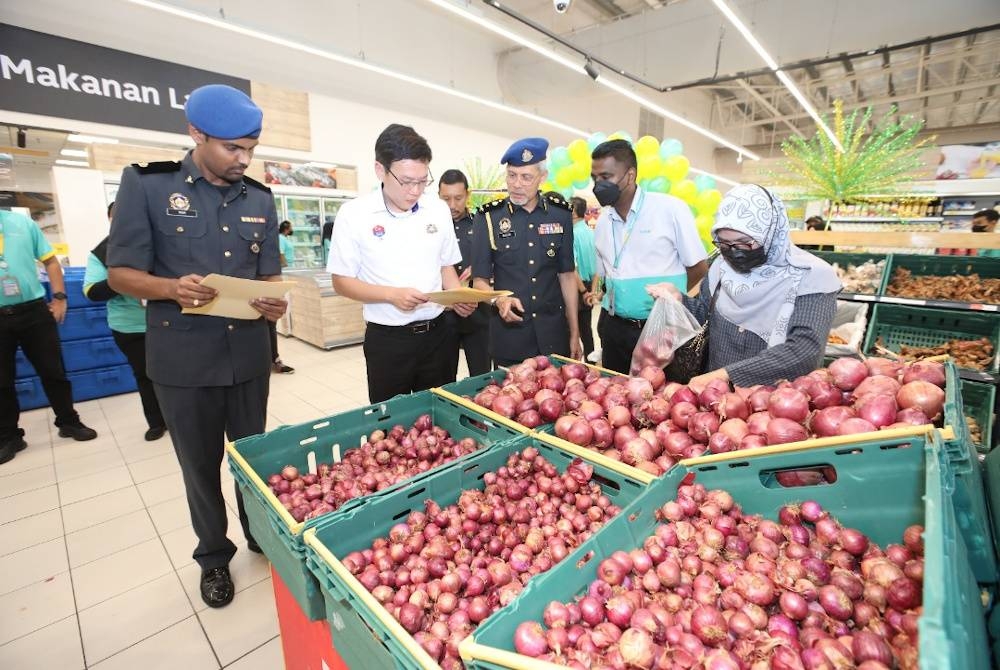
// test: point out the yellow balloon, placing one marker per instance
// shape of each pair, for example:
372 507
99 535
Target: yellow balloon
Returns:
547 186
579 171
647 146
649 166
563 178
675 168
708 201
578 150
685 190
704 225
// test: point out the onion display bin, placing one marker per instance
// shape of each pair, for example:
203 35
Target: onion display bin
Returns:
386 644
882 487
253 459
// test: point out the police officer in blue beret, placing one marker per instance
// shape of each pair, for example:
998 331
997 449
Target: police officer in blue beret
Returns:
174 223
524 242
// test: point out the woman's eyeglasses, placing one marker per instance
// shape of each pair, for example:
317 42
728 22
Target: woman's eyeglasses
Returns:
738 245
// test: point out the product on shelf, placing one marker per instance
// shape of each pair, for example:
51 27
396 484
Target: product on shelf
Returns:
715 588
971 354
443 571
650 424
382 460
960 288
863 278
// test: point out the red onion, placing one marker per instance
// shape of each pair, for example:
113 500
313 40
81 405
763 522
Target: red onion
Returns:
847 373
639 390
619 610
757 423
709 625
580 432
732 406
825 422
701 425
928 371
781 430
855 425
637 648
788 403
867 646
879 410
921 395
913 539
904 594
883 366
529 639
681 412
835 602
877 385
823 394
758 399
654 376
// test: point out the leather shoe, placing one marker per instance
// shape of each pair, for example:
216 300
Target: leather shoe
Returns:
217 587
77 431
254 547
154 434
10 448
281 368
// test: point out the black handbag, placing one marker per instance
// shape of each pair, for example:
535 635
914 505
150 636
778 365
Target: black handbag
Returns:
690 358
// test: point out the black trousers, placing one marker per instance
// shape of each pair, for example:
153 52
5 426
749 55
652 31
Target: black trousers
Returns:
199 420
584 319
476 346
618 340
272 327
32 326
403 360
133 345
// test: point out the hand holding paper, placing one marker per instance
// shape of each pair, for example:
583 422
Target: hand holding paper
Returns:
237 298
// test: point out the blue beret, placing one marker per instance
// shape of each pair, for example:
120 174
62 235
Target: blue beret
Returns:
528 151
224 112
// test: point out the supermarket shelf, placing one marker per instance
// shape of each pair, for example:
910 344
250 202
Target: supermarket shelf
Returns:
901 239
886 219
919 302
961 212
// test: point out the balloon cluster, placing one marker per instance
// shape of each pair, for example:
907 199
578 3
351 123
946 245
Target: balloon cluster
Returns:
662 168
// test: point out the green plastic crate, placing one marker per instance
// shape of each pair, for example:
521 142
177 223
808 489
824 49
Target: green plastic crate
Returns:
262 455
926 326
942 266
882 487
845 260
991 475
356 529
979 403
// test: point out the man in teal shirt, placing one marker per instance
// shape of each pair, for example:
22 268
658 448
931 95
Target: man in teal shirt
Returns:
586 258
127 320
985 221
26 320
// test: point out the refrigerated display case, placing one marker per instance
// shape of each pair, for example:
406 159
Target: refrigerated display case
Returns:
307 214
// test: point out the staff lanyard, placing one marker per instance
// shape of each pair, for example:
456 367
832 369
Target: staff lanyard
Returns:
640 194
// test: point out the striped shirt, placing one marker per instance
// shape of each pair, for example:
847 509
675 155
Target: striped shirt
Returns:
747 358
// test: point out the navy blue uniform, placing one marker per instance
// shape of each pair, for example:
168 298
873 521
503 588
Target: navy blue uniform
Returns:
473 330
525 252
210 373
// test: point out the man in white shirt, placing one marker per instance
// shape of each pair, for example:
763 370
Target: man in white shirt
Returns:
389 249
641 238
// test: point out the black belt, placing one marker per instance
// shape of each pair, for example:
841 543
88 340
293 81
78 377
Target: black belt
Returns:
11 310
634 323
416 328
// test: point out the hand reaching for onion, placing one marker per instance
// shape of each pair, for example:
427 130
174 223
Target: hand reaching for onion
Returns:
663 290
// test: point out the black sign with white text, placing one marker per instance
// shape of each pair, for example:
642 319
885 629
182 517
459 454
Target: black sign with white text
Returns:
54 76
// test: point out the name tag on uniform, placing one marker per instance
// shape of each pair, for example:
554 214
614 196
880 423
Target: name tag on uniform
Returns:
253 219
179 205
550 229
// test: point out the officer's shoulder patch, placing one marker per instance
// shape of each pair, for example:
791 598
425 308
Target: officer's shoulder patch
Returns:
557 200
492 205
159 167
256 184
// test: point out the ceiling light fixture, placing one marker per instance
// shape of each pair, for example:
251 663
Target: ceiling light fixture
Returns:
783 77
63 161
354 62
590 70
91 139
73 153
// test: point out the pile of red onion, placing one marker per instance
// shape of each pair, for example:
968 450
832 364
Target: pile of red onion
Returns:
650 424
444 570
716 589
381 461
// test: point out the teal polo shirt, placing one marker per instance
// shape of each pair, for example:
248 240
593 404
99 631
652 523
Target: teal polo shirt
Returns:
21 245
286 247
125 313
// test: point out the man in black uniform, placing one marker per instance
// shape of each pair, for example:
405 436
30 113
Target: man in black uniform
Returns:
174 223
474 330
525 243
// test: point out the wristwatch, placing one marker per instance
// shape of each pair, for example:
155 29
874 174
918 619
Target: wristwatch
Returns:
58 295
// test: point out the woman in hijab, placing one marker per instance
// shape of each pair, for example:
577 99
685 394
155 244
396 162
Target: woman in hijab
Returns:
775 303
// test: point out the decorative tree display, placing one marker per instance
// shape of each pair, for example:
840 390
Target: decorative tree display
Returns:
486 182
877 158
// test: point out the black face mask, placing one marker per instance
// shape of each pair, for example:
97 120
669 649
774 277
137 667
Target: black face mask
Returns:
607 192
743 261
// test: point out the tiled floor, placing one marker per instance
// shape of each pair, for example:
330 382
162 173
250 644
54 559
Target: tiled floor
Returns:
96 541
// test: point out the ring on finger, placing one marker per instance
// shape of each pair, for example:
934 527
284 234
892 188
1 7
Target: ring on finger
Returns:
196 302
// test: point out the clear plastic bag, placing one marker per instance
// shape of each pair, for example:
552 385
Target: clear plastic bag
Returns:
669 326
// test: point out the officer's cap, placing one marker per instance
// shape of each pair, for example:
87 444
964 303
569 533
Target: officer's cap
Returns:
528 151
223 112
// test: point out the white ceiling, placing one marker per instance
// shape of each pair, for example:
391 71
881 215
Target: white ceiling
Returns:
667 42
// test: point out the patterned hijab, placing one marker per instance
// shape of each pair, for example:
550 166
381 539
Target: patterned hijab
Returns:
762 301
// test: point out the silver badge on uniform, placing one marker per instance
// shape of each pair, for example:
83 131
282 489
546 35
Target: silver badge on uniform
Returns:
551 253
178 204
255 248
431 229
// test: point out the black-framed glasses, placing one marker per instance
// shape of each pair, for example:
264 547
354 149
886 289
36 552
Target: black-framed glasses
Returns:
413 185
738 245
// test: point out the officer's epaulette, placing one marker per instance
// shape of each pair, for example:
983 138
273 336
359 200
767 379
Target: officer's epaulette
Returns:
557 200
491 205
256 184
158 167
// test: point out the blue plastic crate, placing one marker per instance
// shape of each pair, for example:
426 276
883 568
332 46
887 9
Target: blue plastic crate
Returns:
101 352
73 277
30 393
85 323
22 368
102 382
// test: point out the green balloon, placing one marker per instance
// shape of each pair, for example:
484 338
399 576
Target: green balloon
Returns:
582 184
595 139
659 185
567 192
559 158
